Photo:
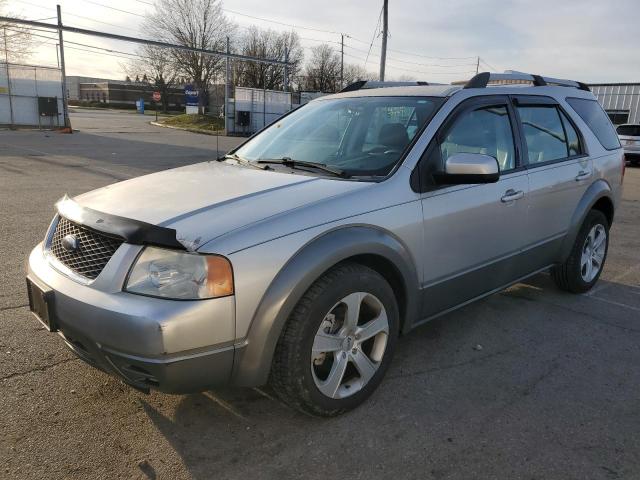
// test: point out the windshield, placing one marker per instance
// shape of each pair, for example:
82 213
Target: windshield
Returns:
362 136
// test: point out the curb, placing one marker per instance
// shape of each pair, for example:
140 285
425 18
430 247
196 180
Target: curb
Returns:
217 133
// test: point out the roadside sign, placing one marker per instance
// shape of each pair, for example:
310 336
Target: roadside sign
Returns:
190 96
156 96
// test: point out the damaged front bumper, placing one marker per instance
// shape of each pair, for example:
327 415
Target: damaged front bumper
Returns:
173 346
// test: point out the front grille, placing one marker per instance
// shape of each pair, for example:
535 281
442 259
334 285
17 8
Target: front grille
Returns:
94 249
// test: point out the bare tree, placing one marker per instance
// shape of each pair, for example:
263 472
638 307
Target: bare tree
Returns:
354 73
272 45
323 70
158 68
16 43
192 23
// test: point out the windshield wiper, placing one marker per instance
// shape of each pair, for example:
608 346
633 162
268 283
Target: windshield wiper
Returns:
288 162
242 161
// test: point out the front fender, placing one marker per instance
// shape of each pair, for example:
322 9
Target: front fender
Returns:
596 191
253 362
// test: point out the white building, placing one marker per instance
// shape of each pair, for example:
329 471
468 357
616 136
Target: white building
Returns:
620 100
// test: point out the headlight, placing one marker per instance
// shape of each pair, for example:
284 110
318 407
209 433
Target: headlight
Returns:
180 275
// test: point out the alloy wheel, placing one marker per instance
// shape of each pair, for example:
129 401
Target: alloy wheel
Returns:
593 251
349 345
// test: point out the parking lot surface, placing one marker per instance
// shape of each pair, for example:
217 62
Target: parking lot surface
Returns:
531 383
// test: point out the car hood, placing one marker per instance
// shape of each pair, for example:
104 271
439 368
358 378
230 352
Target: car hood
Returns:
220 196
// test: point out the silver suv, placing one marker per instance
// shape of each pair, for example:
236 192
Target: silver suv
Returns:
301 256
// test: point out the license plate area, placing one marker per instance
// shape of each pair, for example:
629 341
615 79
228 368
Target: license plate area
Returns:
41 304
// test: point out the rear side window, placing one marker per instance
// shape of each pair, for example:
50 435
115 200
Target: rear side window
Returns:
544 133
593 115
629 130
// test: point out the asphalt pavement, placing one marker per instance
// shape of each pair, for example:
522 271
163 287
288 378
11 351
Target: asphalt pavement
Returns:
531 383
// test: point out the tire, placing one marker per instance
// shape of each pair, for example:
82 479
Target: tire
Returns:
573 275
305 379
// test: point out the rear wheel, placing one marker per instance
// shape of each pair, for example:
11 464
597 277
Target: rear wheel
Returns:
580 272
337 343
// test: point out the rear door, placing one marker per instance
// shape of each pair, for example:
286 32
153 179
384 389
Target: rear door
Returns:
472 233
559 172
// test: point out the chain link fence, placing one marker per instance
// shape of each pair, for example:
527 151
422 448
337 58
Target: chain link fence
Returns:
30 96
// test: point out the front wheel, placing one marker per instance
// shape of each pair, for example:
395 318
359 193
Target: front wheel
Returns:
580 272
337 343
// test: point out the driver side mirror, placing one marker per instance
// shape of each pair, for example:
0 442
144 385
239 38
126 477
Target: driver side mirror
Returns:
468 168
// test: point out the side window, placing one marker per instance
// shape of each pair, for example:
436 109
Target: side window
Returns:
543 133
593 115
486 130
573 140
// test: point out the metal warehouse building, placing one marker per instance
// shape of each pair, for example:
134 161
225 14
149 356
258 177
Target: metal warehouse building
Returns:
620 100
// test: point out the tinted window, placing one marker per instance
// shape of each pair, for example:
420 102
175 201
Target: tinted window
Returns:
591 112
544 133
486 131
573 140
629 130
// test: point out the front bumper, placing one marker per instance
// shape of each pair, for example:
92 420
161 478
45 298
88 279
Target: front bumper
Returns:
173 346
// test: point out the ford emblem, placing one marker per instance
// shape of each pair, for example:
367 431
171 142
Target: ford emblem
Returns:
70 243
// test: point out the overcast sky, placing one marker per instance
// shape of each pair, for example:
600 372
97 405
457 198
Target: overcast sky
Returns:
433 40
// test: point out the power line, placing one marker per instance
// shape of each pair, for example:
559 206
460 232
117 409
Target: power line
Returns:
115 9
417 71
306 28
416 63
78 16
366 60
374 37
490 67
142 41
279 23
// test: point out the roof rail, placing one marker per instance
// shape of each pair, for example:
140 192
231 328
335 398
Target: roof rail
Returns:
366 84
481 80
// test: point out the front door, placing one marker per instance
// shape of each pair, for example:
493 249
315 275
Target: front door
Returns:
473 233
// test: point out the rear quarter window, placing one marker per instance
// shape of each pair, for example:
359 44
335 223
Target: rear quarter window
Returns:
598 122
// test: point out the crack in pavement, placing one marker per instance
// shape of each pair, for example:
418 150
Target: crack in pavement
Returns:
577 312
453 365
38 369
15 307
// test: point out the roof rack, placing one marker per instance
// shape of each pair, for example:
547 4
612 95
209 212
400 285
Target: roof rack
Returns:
481 80
366 84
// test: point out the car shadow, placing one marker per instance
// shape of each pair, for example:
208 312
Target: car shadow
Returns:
452 386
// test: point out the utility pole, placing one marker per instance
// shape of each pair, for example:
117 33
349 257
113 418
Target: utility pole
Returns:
285 82
65 105
6 59
342 61
478 66
227 90
385 32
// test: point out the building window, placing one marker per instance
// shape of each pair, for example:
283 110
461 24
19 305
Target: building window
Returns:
618 117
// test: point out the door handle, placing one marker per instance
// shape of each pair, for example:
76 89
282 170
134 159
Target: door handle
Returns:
583 175
511 195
